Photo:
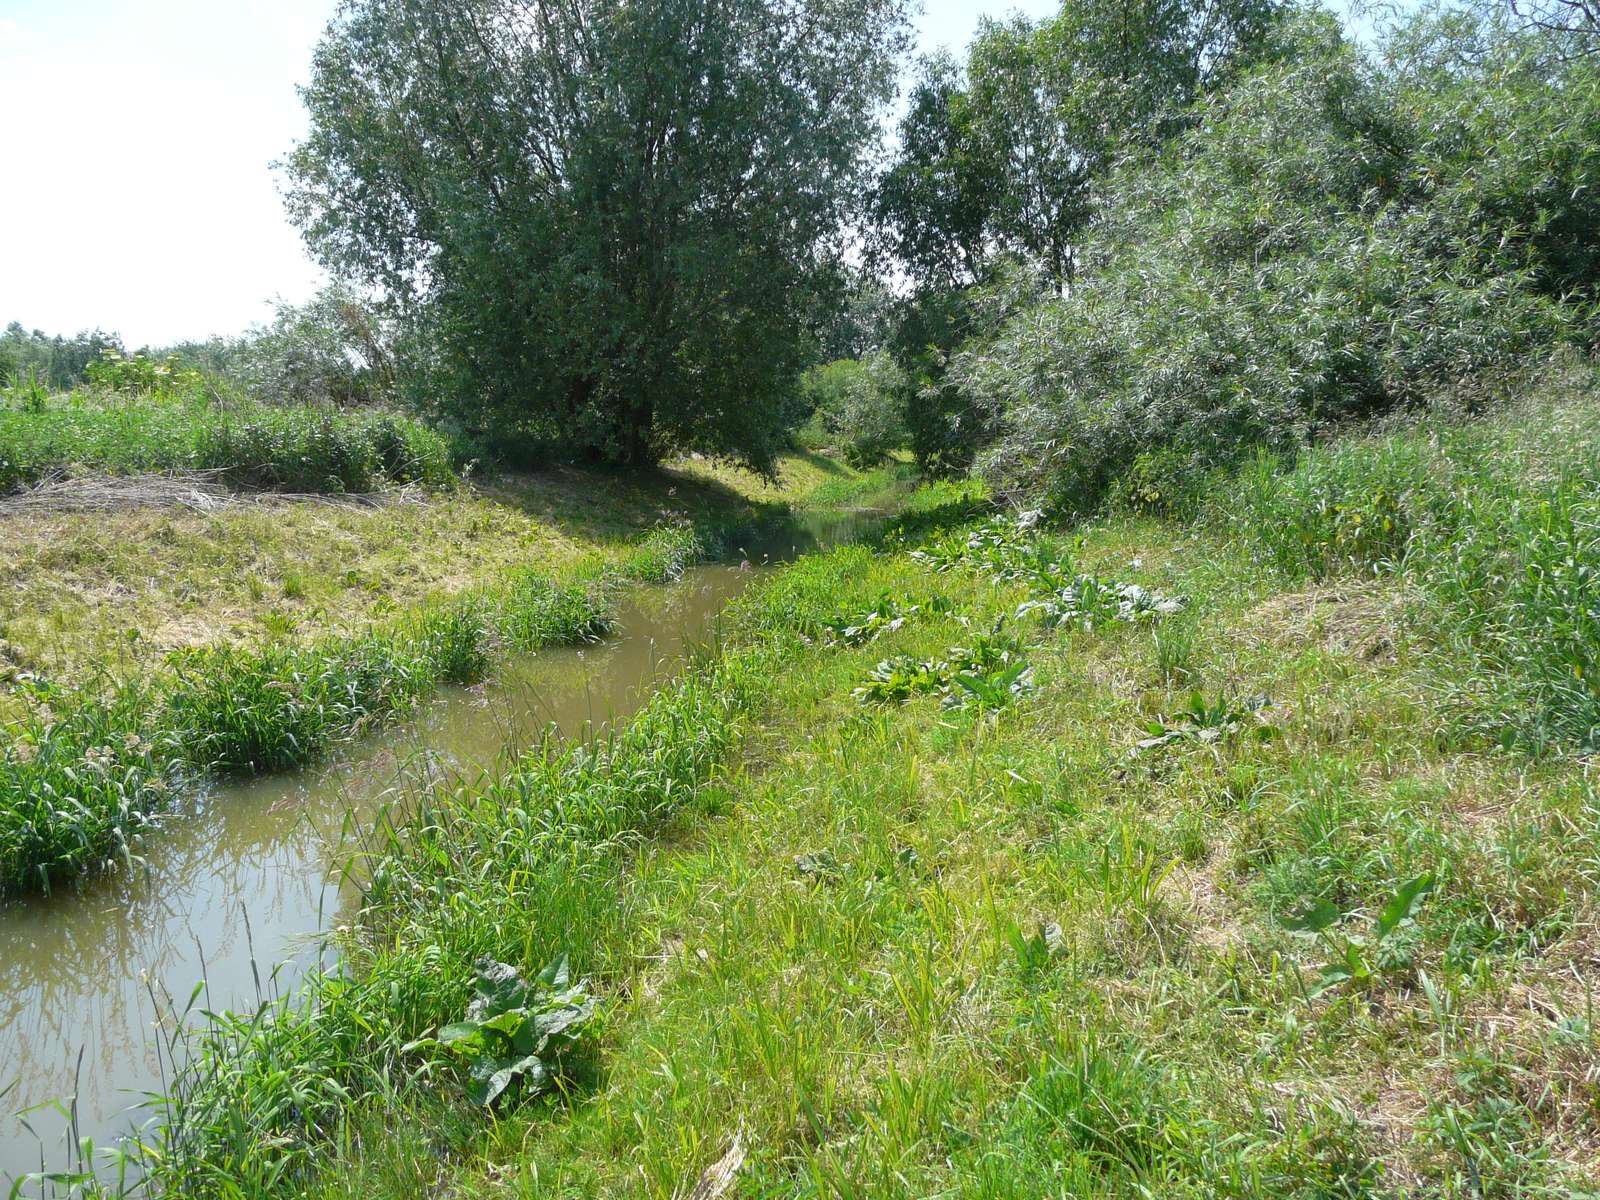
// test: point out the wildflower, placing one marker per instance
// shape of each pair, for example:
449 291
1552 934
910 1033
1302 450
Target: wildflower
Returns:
25 752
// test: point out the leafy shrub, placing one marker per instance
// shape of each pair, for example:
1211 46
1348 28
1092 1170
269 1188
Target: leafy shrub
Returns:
857 407
139 374
1328 242
331 350
514 1031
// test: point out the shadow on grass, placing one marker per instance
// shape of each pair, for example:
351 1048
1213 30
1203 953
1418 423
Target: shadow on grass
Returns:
617 504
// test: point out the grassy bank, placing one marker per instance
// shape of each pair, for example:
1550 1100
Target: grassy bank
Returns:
891 899
119 590
88 762
295 449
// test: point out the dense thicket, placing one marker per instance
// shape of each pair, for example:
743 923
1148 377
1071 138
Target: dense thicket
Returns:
1334 236
999 157
604 221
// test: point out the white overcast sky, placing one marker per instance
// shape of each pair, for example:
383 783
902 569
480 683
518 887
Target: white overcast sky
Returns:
136 192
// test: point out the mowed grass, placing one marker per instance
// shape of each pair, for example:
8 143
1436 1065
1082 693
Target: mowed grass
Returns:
89 592
1333 937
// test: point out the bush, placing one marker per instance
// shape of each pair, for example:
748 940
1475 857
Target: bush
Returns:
823 392
331 350
1328 242
857 407
872 423
298 449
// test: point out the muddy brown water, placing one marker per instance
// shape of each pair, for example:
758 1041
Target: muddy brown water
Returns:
234 888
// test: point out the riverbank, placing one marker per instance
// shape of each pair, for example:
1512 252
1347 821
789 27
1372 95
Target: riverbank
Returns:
1144 857
118 589
88 761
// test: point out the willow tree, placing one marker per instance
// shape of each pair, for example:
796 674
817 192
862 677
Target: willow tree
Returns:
606 215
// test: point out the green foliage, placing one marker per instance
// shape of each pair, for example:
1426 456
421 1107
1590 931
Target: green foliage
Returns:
1210 724
1357 959
324 450
27 392
1088 601
56 364
293 449
987 675
856 405
1001 156
1492 521
989 689
901 678
602 226
331 350
1330 240
141 375
515 1032
78 782
857 629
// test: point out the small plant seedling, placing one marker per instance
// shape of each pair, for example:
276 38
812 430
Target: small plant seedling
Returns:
1210 724
989 690
896 680
514 1031
1035 951
1354 958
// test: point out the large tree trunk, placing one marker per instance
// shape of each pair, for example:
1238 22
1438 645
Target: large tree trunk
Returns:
638 448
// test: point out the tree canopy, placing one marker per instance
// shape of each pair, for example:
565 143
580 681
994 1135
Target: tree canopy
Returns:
1000 156
602 221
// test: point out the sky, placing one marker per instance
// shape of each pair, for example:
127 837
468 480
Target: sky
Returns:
136 188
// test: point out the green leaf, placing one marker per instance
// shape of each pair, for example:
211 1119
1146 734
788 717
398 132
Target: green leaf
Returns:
1318 916
492 1076
557 973
1330 976
1404 904
499 986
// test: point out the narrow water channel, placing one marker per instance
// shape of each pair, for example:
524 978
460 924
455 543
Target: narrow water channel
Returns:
239 882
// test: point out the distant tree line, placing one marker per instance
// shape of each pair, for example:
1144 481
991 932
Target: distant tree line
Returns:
56 362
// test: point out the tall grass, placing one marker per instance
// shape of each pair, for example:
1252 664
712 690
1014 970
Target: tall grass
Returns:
1497 523
301 449
85 770
519 869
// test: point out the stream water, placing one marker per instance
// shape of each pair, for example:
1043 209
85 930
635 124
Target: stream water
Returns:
239 882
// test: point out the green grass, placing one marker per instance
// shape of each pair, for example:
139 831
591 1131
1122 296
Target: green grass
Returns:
85 770
906 949
290 449
1495 524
